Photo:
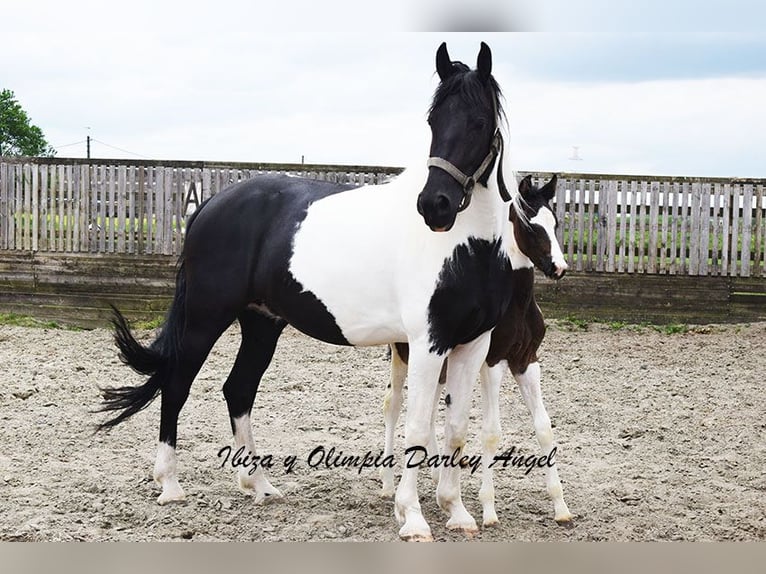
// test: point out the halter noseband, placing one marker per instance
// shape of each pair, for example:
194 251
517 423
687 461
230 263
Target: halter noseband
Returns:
467 182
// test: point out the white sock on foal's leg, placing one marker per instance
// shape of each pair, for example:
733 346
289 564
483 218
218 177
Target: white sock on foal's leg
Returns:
529 384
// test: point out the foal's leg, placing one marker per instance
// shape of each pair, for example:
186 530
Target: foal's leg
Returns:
424 368
464 364
529 384
259 340
199 336
392 407
491 378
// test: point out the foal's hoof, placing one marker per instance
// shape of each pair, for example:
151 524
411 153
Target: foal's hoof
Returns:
565 521
387 494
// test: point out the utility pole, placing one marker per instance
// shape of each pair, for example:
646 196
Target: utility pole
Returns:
87 142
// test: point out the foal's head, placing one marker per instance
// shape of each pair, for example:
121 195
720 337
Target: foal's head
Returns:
534 227
464 119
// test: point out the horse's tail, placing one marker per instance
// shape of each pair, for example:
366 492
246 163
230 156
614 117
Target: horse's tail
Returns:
156 360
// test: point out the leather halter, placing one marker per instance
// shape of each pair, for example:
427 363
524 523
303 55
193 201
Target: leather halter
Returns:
467 182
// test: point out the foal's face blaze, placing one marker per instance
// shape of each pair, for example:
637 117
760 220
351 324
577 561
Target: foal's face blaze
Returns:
538 239
462 130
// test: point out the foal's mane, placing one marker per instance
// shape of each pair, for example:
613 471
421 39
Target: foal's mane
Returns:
471 89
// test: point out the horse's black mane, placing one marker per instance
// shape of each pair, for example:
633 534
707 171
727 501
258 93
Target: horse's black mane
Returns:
472 90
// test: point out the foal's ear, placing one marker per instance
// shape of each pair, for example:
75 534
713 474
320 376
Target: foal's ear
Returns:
548 191
443 63
484 62
525 186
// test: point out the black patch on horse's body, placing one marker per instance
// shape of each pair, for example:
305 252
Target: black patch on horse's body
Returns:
250 227
473 291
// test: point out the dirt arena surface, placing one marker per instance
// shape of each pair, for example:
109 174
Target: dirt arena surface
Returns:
661 437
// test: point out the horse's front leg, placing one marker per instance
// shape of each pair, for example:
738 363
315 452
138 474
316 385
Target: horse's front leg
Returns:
463 367
491 379
424 368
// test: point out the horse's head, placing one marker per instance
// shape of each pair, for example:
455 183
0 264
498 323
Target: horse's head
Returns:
464 137
534 227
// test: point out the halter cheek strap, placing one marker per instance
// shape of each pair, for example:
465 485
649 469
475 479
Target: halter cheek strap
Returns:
467 182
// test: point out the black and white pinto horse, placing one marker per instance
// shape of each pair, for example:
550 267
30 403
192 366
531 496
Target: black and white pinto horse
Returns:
349 266
514 344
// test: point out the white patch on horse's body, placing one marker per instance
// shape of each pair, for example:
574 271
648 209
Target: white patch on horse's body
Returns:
165 474
359 275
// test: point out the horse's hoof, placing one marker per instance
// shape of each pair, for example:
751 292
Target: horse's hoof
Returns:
468 528
268 497
490 522
168 497
386 494
566 521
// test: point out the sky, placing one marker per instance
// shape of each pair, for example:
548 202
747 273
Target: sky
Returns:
652 88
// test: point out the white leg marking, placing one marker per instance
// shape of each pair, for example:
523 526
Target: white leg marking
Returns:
392 407
424 368
491 379
529 384
464 364
251 481
433 444
165 474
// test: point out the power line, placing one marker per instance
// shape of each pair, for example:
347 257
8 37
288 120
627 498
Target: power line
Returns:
119 148
68 145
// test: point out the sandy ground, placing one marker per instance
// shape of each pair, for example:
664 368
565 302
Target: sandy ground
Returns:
661 437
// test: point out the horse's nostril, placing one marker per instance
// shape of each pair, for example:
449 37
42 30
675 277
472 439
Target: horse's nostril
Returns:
442 203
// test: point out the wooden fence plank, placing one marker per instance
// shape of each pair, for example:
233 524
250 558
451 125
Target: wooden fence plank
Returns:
122 178
726 230
736 197
581 215
715 215
573 222
43 210
131 223
654 213
35 223
704 242
747 228
760 233
622 243
611 225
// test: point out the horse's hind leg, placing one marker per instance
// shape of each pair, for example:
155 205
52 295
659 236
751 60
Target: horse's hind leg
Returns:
529 384
197 340
392 407
259 340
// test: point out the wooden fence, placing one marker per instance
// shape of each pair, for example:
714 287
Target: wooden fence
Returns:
607 223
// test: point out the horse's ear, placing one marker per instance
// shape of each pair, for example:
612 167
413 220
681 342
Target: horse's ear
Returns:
443 63
548 191
484 62
525 186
